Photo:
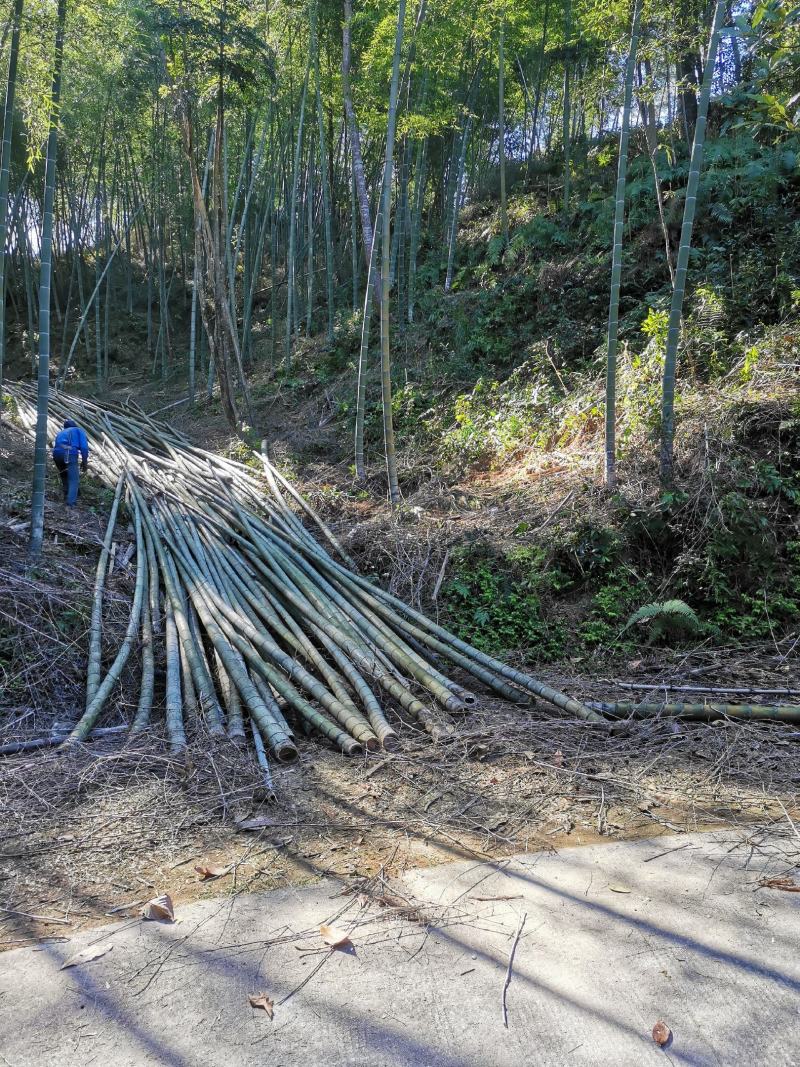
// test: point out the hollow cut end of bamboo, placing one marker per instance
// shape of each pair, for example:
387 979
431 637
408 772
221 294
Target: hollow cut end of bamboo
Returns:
389 741
469 699
285 752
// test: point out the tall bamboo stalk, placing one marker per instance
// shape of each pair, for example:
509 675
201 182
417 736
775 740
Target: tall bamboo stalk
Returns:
198 251
361 381
46 271
359 177
325 178
96 624
291 294
5 169
86 723
386 364
501 128
420 178
682 263
566 123
616 258
458 196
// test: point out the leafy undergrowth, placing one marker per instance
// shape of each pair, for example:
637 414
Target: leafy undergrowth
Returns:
499 409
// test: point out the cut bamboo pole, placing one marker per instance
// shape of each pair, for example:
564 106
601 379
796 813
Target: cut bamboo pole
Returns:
267 625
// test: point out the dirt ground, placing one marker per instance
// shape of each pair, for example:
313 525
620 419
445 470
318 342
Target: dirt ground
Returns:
97 833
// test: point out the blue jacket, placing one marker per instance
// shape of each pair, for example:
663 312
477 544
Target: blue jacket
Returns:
70 442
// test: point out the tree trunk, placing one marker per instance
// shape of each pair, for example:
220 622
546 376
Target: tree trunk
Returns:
420 175
457 201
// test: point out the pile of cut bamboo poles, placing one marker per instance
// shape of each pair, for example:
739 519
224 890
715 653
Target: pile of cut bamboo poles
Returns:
266 631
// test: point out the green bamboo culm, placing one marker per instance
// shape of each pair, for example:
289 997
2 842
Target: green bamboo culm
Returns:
5 168
501 137
173 698
420 175
326 185
567 113
702 712
87 722
456 206
361 381
150 627
616 258
386 365
46 271
682 265
291 295
96 625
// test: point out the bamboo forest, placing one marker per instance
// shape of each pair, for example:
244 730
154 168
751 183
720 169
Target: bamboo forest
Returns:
399 531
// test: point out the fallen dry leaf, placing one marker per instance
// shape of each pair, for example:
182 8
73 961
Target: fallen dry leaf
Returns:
334 937
786 884
211 870
261 1000
258 823
619 889
159 909
91 952
661 1033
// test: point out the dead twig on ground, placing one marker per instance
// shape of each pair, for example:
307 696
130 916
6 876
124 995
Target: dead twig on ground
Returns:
510 967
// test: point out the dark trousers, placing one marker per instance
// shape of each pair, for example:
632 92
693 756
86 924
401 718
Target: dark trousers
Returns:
70 478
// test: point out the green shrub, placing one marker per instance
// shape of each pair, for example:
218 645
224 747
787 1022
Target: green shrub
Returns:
495 602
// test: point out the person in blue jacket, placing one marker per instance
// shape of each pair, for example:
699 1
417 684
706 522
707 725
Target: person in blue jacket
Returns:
70 444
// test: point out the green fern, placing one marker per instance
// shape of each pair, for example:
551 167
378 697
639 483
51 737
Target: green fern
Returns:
516 249
722 213
494 250
672 618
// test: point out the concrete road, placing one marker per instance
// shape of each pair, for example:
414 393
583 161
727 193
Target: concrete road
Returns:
607 941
